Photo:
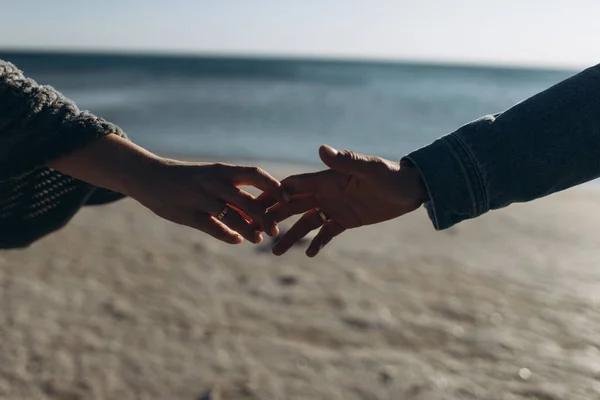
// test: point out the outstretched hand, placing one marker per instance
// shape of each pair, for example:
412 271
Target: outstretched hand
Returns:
357 190
207 197
204 196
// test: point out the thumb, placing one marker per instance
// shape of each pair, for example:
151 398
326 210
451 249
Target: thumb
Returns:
347 161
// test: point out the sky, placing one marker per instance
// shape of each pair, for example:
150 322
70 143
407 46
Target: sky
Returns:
554 33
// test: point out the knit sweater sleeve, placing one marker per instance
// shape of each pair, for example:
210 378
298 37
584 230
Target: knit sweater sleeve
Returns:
38 124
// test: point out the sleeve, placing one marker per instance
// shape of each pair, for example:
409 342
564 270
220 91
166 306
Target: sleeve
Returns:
545 144
38 124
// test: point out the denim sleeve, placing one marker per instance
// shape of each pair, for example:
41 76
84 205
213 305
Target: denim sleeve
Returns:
545 144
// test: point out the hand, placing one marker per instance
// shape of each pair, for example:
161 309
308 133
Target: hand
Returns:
358 190
191 194
194 194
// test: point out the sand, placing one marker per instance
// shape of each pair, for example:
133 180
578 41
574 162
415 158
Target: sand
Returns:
123 305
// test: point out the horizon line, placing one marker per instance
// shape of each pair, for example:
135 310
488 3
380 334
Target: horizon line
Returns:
280 56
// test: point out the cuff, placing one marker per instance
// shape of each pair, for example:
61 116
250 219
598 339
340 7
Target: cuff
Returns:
453 181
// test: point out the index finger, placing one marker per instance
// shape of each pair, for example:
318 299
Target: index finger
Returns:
260 179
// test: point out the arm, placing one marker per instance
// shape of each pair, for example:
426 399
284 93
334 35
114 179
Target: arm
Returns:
545 144
186 193
39 127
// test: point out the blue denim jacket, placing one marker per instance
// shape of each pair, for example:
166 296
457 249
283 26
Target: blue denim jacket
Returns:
545 144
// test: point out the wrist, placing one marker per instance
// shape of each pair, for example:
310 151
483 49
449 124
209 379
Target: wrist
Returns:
135 170
414 180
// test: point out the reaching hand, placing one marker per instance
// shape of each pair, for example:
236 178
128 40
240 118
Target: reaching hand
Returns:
201 195
206 197
357 190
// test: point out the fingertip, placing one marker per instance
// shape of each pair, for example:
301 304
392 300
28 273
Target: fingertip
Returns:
237 239
313 250
268 226
327 151
274 231
277 251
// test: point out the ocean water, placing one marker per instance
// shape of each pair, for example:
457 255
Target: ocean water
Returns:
281 110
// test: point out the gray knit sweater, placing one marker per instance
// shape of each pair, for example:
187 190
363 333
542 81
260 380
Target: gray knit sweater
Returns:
37 125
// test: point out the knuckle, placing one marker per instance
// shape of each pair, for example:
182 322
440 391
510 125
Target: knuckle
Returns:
218 171
378 163
347 154
220 166
254 170
261 171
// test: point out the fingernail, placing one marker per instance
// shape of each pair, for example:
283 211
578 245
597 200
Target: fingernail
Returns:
258 237
330 151
286 196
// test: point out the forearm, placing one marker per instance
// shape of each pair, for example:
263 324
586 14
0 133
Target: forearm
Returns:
110 162
545 144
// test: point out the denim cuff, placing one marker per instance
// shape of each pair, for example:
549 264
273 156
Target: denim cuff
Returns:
453 181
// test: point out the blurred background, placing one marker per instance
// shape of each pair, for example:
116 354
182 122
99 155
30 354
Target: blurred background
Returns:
273 79
123 305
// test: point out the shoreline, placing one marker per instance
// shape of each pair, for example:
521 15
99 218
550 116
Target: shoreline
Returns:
282 57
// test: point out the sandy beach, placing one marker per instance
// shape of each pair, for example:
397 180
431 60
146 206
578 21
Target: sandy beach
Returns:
123 305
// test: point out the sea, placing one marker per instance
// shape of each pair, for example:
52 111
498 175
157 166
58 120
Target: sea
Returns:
280 109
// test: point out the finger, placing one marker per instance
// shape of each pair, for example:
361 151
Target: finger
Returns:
309 221
246 204
214 228
249 220
259 178
298 204
246 217
238 223
305 183
266 200
232 219
330 230
349 162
